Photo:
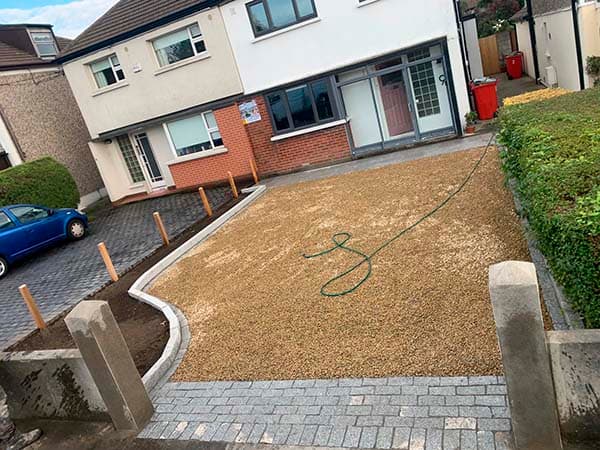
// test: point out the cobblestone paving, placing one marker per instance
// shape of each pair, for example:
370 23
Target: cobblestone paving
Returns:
61 277
402 413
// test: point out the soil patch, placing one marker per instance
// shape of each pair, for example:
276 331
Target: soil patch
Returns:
144 328
253 302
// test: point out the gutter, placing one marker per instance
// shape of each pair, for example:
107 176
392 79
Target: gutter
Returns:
533 38
461 35
578 48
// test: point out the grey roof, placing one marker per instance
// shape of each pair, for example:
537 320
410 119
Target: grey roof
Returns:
128 18
545 6
521 15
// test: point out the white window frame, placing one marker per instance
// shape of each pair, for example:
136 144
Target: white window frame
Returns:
193 41
209 130
114 68
33 31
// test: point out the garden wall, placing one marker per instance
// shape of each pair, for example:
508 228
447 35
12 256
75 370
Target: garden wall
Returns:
53 384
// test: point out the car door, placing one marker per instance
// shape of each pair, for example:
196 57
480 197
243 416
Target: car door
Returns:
41 227
13 240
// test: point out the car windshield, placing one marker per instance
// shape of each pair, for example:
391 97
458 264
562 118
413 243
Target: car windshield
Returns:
5 221
26 214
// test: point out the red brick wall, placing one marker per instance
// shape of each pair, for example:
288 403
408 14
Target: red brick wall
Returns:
293 153
214 168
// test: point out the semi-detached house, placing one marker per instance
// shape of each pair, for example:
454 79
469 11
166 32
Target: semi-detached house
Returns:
178 93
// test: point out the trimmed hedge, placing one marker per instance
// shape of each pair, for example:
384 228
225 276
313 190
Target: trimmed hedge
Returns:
42 182
552 149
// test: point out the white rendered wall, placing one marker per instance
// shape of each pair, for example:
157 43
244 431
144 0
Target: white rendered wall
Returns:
150 91
473 50
344 33
524 43
589 24
8 145
556 47
113 171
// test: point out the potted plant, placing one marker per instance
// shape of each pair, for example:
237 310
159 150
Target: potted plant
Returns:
471 121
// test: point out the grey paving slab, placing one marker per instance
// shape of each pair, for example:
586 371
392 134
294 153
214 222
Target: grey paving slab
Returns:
62 276
439 417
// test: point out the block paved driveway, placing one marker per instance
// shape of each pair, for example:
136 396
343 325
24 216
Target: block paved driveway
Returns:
408 413
62 276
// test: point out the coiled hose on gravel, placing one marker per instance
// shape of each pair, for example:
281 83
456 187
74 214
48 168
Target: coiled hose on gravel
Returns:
341 239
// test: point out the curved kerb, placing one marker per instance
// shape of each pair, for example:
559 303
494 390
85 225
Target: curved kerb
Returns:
170 354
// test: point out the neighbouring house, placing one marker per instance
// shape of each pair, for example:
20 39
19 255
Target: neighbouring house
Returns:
177 93
38 113
557 37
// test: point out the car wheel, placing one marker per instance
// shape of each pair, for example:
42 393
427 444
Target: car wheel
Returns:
76 229
3 267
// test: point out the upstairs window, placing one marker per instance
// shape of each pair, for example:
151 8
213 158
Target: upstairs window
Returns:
267 16
107 71
302 106
44 43
195 134
180 45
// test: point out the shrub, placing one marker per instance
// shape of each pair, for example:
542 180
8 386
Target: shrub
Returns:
552 149
41 182
593 68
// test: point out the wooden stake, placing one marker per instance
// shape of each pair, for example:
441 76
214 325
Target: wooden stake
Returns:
254 174
161 228
32 307
108 262
232 183
207 207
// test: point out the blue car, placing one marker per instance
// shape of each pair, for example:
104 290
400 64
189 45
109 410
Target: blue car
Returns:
25 229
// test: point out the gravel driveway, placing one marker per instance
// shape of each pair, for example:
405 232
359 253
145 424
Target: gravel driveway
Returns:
63 276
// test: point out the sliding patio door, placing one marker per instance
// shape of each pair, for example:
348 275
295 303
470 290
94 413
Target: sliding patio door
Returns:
403 99
358 98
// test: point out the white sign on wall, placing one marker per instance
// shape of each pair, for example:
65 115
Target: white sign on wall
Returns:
249 112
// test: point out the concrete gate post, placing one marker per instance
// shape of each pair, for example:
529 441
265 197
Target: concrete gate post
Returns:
101 344
518 315
575 360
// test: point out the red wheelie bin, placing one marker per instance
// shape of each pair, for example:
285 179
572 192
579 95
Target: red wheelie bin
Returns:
486 98
514 65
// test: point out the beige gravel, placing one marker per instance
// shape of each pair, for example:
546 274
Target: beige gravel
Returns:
253 302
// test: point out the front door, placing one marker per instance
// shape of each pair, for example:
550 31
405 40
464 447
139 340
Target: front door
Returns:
429 85
149 164
397 119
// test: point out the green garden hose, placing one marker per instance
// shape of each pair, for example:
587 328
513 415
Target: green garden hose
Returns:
341 239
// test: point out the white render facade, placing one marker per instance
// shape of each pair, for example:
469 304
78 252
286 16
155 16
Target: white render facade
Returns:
163 106
359 35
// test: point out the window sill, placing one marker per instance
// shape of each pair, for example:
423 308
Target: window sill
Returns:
324 126
184 62
198 155
112 87
285 30
365 3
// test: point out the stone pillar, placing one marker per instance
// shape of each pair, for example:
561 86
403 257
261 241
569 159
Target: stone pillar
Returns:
520 328
575 360
99 339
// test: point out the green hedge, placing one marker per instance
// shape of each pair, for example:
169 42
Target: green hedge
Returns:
41 182
552 149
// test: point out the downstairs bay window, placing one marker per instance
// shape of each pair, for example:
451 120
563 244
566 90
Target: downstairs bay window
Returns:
194 134
302 106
